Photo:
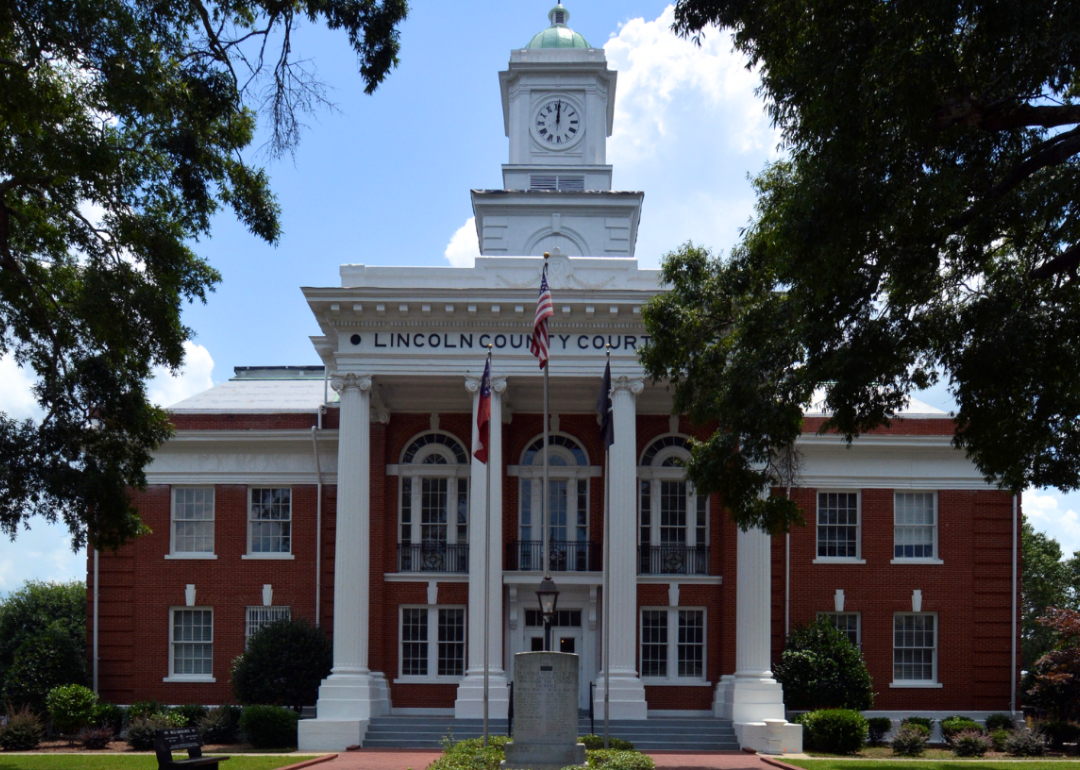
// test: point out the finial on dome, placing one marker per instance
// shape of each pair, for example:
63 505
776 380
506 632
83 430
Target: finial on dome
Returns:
558 16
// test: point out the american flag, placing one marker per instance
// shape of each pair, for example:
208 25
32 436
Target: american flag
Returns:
544 311
483 414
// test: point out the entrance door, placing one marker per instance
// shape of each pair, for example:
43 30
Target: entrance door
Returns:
569 640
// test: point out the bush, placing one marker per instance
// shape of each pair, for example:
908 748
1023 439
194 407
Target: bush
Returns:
821 668
22 732
999 738
970 743
594 742
141 730
836 731
95 737
470 754
269 727
613 759
877 729
192 712
284 663
1056 681
220 725
44 661
1000 722
1026 743
922 722
953 726
71 708
910 740
109 715
144 709
1058 733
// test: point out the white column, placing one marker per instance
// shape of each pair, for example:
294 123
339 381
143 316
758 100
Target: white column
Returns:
351 695
627 700
751 698
470 695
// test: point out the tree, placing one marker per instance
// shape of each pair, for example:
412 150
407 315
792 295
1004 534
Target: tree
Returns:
1047 582
284 663
123 127
821 669
29 615
922 225
1057 673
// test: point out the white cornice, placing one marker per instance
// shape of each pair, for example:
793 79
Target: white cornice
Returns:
261 436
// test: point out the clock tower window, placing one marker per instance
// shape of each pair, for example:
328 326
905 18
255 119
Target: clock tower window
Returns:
557 182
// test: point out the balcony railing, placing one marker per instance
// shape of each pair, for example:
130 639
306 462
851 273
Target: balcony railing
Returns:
563 556
433 557
673 560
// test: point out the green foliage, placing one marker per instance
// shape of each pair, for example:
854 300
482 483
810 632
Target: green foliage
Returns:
821 668
953 726
269 727
23 730
125 126
95 738
836 731
920 227
71 707
999 737
1026 742
141 730
1000 722
284 663
1059 732
1047 581
970 743
614 759
44 661
593 742
144 709
220 725
910 740
192 712
1056 678
109 715
877 729
923 722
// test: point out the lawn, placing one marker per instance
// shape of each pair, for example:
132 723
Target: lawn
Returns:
974 763
83 761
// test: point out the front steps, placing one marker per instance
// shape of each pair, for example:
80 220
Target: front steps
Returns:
657 734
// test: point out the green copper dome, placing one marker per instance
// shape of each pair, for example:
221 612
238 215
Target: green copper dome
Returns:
558 35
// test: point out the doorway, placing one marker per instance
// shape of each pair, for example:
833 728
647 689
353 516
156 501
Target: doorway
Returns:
566 636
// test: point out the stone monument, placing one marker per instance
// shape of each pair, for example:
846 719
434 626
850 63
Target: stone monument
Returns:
545 712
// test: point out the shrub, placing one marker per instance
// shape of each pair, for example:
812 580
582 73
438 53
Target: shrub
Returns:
821 668
953 726
269 727
220 725
877 729
284 663
470 754
95 737
613 759
1058 733
1000 722
22 732
71 707
970 743
1056 681
109 715
192 712
921 722
144 709
836 731
593 742
1026 743
48 659
910 740
141 730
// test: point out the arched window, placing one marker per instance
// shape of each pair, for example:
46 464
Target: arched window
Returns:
674 519
568 505
433 532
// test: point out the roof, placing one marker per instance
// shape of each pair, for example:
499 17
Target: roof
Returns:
264 390
558 35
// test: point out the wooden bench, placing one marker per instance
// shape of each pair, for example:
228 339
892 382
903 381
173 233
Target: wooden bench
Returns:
178 739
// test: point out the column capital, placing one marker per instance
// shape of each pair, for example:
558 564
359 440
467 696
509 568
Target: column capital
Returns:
498 384
472 384
632 385
380 412
343 382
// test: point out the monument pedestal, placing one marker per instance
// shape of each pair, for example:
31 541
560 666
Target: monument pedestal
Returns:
545 713
470 697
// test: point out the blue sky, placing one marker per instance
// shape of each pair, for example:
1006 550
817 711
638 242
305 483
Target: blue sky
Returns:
385 180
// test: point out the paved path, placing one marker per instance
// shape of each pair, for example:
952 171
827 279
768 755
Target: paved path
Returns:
403 759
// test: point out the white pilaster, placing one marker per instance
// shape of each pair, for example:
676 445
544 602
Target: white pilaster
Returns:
751 698
470 694
352 694
627 700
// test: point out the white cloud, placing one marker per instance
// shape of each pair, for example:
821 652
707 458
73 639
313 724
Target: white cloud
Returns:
194 377
41 553
1055 514
16 397
464 247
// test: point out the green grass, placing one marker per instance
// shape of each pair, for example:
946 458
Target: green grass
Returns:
85 761
923 764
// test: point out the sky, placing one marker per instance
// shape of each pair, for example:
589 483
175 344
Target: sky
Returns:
385 180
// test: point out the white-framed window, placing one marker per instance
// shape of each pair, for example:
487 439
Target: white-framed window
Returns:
191 644
568 506
433 511
847 623
673 644
914 648
270 522
432 642
257 617
192 513
839 533
915 526
673 520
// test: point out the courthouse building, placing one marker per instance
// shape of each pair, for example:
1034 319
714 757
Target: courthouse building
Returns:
348 494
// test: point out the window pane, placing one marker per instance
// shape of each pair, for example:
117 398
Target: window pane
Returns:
914 525
838 524
257 617
451 642
193 636
672 512
193 520
433 510
270 520
691 643
914 648
414 648
654 643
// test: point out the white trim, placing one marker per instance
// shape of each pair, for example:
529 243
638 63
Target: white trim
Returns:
432 642
672 643
918 683
173 677
857 558
193 555
836 559
680 579
173 553
936 558
188 679
241 478
424 577
429 679
249 436
270 556
922 561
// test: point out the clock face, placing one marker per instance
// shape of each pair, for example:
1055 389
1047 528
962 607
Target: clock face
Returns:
557 124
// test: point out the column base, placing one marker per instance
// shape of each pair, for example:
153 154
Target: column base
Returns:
330 734
346 704
627 699
470 696
752 699
770 736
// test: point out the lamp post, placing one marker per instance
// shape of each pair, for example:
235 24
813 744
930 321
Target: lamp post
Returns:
548 595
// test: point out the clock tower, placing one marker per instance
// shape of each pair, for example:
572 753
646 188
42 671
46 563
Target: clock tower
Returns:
558 99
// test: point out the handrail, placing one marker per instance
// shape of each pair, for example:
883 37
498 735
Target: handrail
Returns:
592 700
510 712
563 556
433 556
673 560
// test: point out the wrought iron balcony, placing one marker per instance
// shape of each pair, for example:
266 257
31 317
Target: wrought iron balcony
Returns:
563 556
673 560
433 556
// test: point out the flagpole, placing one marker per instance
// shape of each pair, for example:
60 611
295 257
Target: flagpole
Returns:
607 580
487 567
544 496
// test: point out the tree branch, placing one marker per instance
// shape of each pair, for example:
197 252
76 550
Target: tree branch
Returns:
1067 261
